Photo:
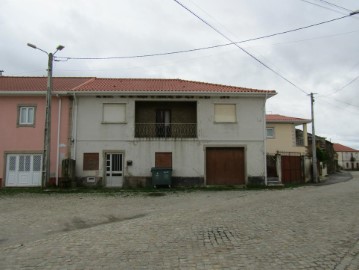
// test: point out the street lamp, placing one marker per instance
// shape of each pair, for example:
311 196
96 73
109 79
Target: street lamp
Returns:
47 130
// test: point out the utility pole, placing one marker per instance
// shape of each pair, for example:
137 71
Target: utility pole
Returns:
314 146
47 129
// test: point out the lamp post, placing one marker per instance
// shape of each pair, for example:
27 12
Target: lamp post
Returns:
47 130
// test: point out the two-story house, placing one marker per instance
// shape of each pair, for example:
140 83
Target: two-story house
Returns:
118 129
347 157
22 121
207 133
287 149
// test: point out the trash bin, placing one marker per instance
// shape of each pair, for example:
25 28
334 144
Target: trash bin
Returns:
161 176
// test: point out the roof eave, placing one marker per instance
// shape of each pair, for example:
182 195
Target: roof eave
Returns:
31 93
173 93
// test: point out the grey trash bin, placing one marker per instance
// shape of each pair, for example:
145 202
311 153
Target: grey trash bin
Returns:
161 176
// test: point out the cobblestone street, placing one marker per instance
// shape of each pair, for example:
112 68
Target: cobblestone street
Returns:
311 227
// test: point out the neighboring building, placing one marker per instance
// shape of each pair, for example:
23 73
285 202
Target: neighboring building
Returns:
120 128
22 119
348 158
282 135
287 148
326 156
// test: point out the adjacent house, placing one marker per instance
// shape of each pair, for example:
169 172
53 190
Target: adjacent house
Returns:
348 158
287 147
118 129
22 119
326 155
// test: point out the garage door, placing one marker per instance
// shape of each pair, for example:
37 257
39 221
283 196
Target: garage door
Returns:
225 166
23 170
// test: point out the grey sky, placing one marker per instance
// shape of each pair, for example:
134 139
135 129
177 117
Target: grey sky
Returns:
321 59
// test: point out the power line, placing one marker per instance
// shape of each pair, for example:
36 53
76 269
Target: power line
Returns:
65 58
242 49
346 85
314 4
334 5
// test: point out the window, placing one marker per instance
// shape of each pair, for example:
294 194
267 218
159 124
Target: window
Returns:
26 116
91 162
114 113
270 133
225 113
163 159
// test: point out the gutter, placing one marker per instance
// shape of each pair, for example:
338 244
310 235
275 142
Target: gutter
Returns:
58 139
74 125
266 94
265 142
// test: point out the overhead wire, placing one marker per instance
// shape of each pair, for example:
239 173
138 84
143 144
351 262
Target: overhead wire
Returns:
327 8
242 49
66 58
334 5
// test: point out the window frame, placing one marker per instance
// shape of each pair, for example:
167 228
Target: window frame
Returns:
104 121
270 137
225 121
20 108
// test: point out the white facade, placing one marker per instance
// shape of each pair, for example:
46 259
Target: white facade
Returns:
92 135
348 160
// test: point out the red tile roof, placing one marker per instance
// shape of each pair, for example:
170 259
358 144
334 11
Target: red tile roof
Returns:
121 85
162 85
39 83
277 118
342 148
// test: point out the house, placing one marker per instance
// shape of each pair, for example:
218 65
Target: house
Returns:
22 120
118 129
326 156
208 134
348 158
287 147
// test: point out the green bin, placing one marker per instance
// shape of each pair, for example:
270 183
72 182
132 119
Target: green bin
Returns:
161 176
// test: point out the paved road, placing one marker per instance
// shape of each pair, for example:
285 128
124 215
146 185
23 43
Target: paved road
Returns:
312 227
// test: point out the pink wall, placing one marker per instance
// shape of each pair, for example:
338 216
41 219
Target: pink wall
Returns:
15 139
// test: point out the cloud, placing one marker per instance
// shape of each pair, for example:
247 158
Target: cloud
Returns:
320 59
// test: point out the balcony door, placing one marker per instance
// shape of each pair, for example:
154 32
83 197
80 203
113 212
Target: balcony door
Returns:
163 123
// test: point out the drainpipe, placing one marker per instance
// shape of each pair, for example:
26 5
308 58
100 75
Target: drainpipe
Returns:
265 142
75 128
58 139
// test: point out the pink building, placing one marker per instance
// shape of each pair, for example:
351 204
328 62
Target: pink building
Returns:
22 120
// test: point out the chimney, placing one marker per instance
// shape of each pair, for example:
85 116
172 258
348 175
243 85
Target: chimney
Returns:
1 71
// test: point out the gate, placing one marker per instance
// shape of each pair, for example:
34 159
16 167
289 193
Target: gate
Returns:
292 169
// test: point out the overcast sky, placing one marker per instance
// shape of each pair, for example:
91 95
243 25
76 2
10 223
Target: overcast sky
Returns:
321 59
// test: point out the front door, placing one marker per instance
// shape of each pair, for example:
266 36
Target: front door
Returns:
114 169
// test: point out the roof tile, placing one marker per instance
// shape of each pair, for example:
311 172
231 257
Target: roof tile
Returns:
85 84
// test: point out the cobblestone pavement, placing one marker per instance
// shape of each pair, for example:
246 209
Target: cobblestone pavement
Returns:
312 227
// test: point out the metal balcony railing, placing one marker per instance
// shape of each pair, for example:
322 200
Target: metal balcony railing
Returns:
166 130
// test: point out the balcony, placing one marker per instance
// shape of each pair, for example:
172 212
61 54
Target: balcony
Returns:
158 119
170 130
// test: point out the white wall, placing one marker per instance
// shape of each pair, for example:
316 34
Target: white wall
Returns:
188 155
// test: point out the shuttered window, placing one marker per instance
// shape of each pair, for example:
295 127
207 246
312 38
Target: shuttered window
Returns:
114 113
225 113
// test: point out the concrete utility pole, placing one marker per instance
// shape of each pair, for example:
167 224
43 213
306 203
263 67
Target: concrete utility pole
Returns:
314 146
47 129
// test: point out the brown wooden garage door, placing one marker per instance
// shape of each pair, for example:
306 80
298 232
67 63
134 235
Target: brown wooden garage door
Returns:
292 171
225 166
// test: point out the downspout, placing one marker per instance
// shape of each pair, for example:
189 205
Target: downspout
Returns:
74 138
58 139
265 142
